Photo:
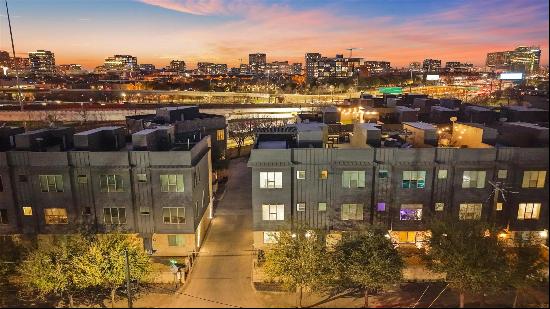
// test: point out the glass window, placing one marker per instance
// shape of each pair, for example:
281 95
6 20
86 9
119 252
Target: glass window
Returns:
82 179
56 216
114 215
499 206
414 179
410 212
51 183
300 174
22 178
382 174
322 206
439 206
502 174
220 135
3 216
145 210
271 180
173 215
533 179
442 174
323 174
87 211
111 183
27 211
301 207
381 206
273 212
271 237
171 183
1 184
473 179
353 179
528 211
176 241
352 212
407 237
141 177
470 211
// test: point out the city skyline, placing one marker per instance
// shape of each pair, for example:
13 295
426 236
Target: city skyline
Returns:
157 31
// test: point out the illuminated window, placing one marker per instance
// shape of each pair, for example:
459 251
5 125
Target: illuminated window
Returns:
473 179
353 179
324 174
533 179
470 211
114 215
499 206
410 212
352 212
271 180
27 211
414 179
173 215
301 207
439 206
528 211
300 174
220 135
322 206
502 174
381 206
406 237
176 241
273 212
111 183
171 183
442 174
56 216
51 183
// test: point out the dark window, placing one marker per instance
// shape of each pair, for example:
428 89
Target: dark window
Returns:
3 216
1 185
22 178
87 210
82 179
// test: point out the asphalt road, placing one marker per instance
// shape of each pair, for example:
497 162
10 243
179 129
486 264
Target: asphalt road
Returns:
222 275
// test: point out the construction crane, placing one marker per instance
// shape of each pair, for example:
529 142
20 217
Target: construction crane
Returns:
351 49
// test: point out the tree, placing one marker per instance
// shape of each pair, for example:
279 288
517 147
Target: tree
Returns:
53 267
367 260
469 253
298 260
107 252
10 256
526 266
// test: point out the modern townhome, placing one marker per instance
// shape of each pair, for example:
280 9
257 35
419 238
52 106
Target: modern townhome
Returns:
398 181
53 181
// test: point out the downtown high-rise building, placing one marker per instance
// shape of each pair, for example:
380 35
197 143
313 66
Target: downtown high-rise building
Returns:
121 63
326 67
524 59
431 65
177 66
208 68
311 65
42 62
257 63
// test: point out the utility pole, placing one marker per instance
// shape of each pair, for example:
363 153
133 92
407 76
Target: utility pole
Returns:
14 60
128 290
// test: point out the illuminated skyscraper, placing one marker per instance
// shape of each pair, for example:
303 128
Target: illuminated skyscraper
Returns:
431 65
522 59
42 62
257 63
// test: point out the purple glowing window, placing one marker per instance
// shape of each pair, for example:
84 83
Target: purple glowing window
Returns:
381 206
410 212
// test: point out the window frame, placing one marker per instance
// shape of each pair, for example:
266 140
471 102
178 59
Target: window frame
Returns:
416 216
273 212
479 180
53 218
358 213
4 216
173 218
177 240
413 179
539 180
534 213
172 183
110 183
271 180
111 217
349 176
470 211
301 174
51 183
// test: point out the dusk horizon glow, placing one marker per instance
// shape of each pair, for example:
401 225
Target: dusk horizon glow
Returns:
224 31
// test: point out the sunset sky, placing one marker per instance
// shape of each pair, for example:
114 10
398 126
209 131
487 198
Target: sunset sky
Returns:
156 31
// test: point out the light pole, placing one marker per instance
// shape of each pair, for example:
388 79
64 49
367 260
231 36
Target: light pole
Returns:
128 291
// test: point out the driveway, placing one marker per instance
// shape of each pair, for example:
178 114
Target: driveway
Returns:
222 275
